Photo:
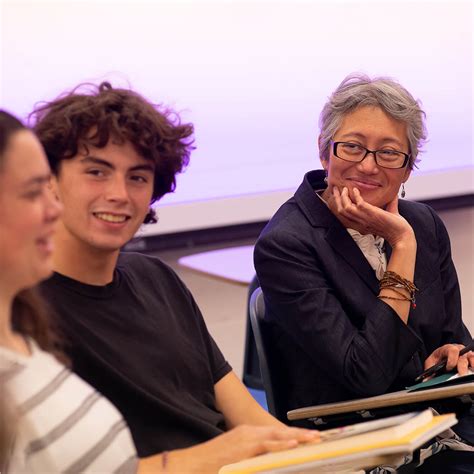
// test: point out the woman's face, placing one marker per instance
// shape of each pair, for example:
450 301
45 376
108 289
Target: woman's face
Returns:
372 128
28 213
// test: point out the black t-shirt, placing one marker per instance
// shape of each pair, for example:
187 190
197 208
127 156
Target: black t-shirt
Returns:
141 341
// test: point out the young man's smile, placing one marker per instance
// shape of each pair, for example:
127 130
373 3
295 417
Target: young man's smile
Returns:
111 217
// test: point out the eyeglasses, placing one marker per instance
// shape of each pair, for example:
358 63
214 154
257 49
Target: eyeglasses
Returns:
356 153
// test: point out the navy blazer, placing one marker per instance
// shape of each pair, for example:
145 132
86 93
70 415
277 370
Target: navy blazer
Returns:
336 340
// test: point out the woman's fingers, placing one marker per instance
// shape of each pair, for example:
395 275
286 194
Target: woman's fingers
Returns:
462 365
271 446
450 353
470 358
358 199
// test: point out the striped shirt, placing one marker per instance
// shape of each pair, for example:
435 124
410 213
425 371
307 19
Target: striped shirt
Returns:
62 424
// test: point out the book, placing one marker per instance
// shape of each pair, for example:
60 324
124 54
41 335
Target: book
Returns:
362 450
416 418
443 380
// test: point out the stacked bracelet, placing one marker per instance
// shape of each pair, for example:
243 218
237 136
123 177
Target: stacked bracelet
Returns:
403 287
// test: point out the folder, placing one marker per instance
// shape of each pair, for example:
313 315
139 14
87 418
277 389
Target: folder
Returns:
463 392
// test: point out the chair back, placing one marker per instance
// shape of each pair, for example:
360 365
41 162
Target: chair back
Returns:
270 371
251 374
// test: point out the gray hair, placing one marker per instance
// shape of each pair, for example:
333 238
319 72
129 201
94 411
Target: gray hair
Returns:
358 90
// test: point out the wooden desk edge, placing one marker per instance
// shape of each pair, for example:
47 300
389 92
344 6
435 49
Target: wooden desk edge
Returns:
380 401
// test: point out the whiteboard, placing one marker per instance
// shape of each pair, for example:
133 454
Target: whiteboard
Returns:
252 76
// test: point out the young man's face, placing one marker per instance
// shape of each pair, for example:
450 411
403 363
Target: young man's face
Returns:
106 193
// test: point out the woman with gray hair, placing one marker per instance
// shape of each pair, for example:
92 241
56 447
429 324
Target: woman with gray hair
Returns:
360 290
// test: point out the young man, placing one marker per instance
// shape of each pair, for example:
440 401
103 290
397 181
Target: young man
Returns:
133 330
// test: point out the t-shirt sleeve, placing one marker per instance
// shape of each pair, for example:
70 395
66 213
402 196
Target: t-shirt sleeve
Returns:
218 364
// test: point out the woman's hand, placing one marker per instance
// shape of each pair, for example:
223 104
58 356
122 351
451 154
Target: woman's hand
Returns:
354 212
450 353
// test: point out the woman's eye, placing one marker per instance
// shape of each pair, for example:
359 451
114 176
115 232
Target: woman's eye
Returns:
32 195
139 179
351 147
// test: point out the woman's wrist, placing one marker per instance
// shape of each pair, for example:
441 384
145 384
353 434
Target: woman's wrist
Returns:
407 241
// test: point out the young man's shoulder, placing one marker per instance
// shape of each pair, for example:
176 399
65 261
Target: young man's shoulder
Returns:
139 261
148 269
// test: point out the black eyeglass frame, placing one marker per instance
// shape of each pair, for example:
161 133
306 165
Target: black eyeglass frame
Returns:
367 152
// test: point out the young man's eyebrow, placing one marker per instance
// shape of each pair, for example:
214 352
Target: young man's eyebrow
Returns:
144 167
97 161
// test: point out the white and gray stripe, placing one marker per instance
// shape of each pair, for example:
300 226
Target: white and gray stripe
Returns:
88 457
45 393
65 425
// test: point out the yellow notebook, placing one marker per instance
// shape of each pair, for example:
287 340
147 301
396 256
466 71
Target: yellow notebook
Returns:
362 450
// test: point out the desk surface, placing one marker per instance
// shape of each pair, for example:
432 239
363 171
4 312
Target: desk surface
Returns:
381 401
233 264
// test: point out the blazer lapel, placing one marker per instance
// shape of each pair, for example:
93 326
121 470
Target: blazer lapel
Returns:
337 236
343 244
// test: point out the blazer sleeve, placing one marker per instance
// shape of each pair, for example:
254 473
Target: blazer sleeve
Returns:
453 329
362 349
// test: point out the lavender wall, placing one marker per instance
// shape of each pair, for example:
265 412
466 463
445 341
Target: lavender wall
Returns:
252 76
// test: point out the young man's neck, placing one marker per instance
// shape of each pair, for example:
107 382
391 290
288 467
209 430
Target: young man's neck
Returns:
84 263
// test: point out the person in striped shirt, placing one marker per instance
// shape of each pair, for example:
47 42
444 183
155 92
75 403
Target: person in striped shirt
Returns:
61 423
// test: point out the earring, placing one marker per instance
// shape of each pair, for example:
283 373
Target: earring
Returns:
403 193
326 178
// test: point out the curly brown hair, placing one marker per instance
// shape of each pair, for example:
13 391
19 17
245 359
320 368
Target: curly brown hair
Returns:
93 117
30 314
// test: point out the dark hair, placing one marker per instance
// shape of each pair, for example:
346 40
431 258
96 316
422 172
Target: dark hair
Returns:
9 125
33 317
30 315
95 116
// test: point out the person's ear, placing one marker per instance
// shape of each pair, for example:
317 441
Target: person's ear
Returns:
407 174
53 186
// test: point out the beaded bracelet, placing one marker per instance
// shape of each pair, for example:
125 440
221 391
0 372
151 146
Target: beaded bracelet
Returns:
395 282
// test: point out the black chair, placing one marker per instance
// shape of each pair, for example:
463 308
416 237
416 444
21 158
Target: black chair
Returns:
272 377
251 375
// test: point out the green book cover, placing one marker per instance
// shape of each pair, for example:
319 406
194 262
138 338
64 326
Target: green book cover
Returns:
450 378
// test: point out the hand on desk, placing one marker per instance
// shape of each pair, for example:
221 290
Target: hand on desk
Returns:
450 353
240 443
